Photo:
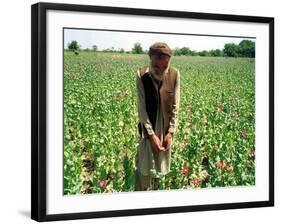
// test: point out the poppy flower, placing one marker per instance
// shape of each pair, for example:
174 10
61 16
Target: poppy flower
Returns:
220 165
185 170
244 133
195 182
102 183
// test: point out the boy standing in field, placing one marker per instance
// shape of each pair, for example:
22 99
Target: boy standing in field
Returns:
158 94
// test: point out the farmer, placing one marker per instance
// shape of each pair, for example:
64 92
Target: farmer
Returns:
158 94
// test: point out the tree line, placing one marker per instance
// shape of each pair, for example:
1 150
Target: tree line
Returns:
246 48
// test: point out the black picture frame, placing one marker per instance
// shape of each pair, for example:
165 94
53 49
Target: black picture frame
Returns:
39 114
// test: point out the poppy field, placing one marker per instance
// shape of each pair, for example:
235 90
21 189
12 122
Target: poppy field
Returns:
214 145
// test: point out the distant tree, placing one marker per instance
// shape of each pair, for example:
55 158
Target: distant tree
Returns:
203 53
137 49
95 48
121 50
177 51
216 53
106 50
231 50
247 48
194 53
185 51
73 45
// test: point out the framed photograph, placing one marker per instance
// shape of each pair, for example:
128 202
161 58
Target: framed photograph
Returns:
141 111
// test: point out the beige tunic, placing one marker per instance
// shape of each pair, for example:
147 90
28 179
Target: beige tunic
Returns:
148 161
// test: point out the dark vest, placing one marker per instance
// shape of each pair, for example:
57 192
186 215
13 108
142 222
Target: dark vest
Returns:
164 95
152 97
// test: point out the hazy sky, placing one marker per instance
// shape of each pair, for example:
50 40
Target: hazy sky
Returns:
126 40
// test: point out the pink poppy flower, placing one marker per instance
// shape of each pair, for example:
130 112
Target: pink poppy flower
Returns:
185 170
220 165
196 182
102 183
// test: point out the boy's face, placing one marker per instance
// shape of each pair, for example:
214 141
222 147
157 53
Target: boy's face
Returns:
159 63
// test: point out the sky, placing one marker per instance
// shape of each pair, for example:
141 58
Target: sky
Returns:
126 40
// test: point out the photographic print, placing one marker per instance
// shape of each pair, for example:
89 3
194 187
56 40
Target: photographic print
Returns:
145 111
214 144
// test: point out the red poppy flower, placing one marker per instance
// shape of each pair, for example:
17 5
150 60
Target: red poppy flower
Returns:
244 133
185 170
220 165
102 183
195 182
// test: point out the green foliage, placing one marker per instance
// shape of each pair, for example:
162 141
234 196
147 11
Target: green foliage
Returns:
231 50
73 45
216 132
247 48
95 47
204 53
184 51
216 53
137 49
